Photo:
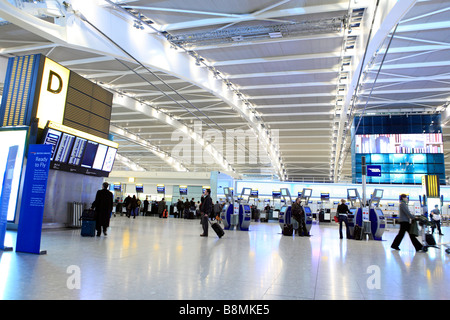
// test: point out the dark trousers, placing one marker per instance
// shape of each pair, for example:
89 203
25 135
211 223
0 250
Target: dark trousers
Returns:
205 224
99 227
302 231
436 224
344 218
404 227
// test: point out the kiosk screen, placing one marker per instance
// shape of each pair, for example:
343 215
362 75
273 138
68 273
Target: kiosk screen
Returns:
307 209
246 207
378 193
283 209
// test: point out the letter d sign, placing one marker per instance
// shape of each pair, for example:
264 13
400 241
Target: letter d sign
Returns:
52 78
52 93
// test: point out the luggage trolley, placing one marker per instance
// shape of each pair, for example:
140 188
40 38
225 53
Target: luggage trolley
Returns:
427 238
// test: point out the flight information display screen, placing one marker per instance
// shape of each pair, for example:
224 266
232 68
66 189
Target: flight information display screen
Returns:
79 152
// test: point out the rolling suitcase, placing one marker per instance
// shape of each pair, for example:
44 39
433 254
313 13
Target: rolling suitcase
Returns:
88 223
430 239
288 230
357 233
217 229
88 228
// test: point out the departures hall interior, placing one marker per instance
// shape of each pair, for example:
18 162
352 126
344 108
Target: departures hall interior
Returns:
206 115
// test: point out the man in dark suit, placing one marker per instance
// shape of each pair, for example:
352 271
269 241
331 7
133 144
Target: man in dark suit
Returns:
103 205
206 209
298 213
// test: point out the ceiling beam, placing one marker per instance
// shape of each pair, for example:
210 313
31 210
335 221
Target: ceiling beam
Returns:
281 13
284 39
324 55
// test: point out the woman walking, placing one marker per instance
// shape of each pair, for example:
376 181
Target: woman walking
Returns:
404 219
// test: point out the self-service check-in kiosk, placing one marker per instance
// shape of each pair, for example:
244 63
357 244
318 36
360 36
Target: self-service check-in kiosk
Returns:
285 215
227 215
306 195
376 216
355 207
244 211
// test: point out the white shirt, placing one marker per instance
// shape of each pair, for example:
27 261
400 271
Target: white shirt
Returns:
436 214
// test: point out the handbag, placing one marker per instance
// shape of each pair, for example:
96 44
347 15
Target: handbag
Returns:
414 229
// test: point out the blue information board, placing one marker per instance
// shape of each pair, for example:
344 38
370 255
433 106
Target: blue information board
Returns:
374 171
33 199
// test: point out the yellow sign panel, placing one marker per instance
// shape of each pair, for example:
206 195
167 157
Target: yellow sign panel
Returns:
52 94
431 185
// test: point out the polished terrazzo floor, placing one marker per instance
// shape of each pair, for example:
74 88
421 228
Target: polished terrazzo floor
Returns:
152 258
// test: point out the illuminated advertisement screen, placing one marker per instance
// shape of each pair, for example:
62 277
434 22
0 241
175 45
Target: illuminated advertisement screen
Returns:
79 152
12 148
399 143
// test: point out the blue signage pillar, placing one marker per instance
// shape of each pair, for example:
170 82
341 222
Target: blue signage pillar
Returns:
33 199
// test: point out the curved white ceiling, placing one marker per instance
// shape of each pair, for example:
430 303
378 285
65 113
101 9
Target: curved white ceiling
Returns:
281 75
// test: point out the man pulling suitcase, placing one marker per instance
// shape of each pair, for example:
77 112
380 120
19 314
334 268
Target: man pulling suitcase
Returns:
207 211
